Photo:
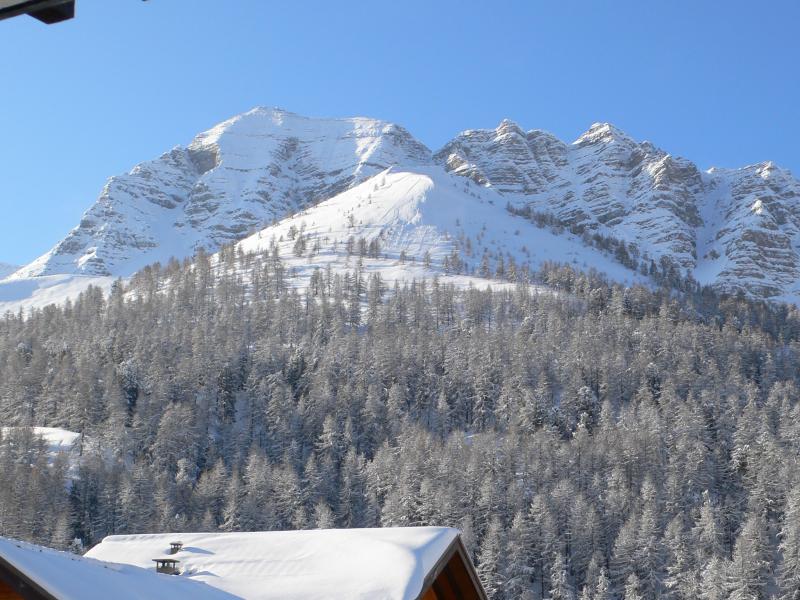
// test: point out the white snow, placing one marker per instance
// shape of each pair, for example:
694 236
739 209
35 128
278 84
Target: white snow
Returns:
261 166
25 293
6 270
351 564
58 442
71 577
425 210
231 179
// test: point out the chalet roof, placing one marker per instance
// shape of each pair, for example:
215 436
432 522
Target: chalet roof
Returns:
356 564
64 576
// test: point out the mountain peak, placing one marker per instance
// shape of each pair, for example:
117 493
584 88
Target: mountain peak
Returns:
264 164
604 133
507 126
236 177
766 170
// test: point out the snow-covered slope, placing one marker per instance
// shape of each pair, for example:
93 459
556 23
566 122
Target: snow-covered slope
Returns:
24 293
352 564
58 440
58 443
734 229
7 269
737 230
419 224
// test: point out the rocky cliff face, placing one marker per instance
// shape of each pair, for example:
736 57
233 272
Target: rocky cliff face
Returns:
752 237
736 230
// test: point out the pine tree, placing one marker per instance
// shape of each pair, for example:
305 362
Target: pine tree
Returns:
707 532
714 580
602 590
633 588
749 568
323 516
490 559
650 556
519 570
560 586
680 574
790 547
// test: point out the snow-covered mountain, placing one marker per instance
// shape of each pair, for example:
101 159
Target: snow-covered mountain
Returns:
229 181
733 229
738 230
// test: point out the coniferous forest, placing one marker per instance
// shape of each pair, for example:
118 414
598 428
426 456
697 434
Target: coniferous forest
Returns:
591 441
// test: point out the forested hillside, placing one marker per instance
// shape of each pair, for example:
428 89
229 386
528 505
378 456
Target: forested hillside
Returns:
591 441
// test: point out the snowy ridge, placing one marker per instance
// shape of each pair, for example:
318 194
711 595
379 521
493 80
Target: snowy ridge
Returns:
733 229
736 230
25 293
230 180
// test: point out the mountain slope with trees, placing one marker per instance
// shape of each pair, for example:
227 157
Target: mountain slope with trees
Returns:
599 441
735 230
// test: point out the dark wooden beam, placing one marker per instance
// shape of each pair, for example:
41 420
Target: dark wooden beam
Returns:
47 11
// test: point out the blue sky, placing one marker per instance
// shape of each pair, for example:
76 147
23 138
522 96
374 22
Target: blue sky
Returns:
716 82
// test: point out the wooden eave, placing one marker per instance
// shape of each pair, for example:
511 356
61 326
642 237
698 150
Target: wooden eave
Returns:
455 547
21 583
47 11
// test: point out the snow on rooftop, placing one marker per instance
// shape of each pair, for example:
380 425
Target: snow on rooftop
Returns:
326 564
70 577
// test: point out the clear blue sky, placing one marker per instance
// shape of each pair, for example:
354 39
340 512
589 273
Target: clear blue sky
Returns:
716 82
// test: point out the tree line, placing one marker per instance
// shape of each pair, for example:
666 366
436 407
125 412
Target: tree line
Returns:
590 441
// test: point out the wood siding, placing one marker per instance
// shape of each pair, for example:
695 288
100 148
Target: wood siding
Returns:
14 585
6 593
453 582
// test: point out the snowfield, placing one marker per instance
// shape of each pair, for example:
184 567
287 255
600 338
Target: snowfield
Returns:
411 213
58 442
27 293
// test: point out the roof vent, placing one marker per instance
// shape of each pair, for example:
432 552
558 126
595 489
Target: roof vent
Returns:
175 547
168 566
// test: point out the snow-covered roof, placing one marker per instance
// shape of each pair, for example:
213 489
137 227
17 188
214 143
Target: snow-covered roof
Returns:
352 564
67 576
